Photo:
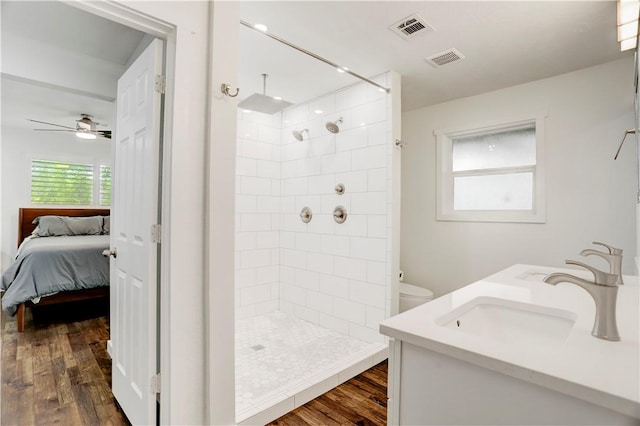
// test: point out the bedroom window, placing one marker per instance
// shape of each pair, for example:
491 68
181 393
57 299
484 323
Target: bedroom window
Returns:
492 174
72 184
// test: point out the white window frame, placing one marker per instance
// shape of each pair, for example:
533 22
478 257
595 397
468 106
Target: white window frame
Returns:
96 163
445 176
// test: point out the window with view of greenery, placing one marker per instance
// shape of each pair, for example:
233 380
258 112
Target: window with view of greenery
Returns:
66 183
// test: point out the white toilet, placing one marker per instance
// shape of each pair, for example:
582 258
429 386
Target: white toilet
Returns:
412 295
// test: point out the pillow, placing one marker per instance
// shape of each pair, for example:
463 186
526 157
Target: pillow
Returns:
106 224
52 226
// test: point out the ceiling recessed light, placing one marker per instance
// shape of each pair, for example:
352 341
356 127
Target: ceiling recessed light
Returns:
246 110
318 111
260 27
277 98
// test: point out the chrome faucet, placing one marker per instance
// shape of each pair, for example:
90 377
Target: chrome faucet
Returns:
614 257
604 291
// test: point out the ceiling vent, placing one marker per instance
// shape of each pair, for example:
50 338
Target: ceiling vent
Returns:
411 26
444 58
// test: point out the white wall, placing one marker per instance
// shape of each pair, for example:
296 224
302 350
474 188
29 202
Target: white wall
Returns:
19 147
589 196
335 275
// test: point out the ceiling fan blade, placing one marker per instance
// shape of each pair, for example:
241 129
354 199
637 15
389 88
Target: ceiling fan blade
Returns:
53 130
51 124
104 133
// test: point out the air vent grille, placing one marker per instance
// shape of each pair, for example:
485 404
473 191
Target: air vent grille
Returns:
411 26
444 58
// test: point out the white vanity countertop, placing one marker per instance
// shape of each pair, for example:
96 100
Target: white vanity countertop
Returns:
598 371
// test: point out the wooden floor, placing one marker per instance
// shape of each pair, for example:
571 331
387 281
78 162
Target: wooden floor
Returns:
58 372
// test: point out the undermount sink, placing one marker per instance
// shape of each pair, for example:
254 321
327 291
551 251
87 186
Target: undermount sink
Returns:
532 276
508 321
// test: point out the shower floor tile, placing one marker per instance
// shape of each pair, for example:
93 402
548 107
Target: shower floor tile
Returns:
278 355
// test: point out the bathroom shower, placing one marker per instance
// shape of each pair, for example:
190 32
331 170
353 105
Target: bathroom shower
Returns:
332 126
299 135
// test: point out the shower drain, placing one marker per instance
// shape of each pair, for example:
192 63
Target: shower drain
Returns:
257 347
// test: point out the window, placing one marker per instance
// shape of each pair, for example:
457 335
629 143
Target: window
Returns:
72 184
492 174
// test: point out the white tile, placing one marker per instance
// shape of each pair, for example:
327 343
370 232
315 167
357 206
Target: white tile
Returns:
268 204
318 388
247 129
276 187
366 334
336 245
334 286
370 113
245 277
267 274
288 204
352 139
292 222
295 114
246 166
321 224
369 248
376 272
287 274
307 242
255 222
269 134
275 221
285 306
295 151
308 166
254 258
306 314
319 302
307 279
293 294
335 163
356 95
326 104
353 370
369 158
349 310
294 258
245 240
367 293
289 169
377 226
369 203
322 145
350 268
254 185
353 181
277 153
378 134
378 179
275 256
295 186
320 263
246 203
333 323
254 294
287 239
355 225
266 307
255 149
374 317
268 169
267 239
324 184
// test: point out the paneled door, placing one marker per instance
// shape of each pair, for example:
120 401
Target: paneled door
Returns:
134 251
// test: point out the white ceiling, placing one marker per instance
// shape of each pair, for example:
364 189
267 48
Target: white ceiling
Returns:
504 43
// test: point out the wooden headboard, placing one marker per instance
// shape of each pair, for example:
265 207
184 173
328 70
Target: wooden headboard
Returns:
26 216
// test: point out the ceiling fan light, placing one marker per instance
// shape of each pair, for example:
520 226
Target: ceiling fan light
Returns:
86 135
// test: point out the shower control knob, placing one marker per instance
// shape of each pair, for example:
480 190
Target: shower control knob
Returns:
339 189
306 215
339 214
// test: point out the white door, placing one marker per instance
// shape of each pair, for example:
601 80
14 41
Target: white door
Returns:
134 210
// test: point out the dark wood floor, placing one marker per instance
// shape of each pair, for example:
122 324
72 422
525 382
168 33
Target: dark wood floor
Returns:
58 372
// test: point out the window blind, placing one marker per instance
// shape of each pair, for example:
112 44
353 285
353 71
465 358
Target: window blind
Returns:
63 183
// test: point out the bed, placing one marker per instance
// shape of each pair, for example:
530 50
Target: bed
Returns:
56 269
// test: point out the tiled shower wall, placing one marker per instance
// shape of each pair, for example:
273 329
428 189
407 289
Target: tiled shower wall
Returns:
334 275
257 213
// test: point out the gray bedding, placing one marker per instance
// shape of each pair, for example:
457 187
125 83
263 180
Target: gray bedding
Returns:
48 265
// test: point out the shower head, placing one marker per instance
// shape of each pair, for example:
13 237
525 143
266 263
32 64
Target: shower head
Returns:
299 135
333 126
263 103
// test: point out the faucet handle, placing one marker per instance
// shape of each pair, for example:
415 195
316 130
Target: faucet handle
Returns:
600 277
612 250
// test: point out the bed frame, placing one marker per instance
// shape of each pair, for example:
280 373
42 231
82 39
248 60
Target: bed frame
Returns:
25 228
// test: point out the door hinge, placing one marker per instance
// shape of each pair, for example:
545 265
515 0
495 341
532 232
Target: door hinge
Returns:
160 83
156 233
155 383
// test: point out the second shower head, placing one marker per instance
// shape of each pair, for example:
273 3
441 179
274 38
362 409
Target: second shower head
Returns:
332 126
299 135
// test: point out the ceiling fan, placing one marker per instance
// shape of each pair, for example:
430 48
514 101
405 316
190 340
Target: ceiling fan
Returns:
85 128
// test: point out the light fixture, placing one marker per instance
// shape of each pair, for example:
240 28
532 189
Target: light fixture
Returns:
85 135
318 111
628 23
277 98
